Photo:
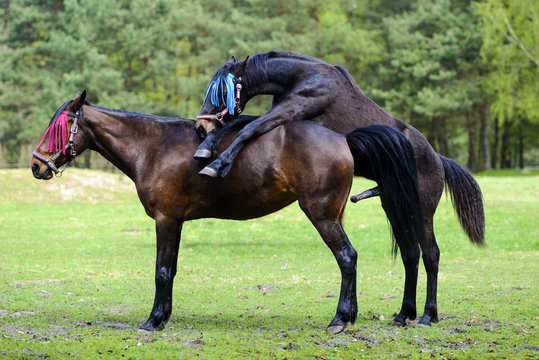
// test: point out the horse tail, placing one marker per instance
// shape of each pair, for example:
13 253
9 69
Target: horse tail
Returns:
467 199
385 155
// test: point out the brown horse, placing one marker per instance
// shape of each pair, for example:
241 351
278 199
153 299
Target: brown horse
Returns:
301 161
305 88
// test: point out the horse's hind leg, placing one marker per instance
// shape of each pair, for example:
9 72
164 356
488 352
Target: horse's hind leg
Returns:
431 187
346 256
410 259
331 231
431 258
430 179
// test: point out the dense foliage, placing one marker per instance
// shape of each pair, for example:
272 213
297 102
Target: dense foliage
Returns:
464 73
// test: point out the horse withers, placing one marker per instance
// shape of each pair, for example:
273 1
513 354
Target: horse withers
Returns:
301 161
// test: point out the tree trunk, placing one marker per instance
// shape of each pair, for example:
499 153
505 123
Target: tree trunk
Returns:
485 149
472 159
520 143
430 134
316 16
441 135
506 145
444 143
497 148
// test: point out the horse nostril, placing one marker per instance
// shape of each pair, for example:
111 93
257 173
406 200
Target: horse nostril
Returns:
35 171
201 131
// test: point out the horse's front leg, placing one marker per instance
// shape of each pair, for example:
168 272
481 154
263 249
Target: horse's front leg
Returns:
208 147
168 242
221 166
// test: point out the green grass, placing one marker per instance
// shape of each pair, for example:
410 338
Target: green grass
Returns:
77 261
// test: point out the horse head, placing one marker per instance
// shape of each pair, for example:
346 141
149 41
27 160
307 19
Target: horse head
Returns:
224 99
60 143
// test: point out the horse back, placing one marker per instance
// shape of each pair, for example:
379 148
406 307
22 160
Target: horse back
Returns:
299 160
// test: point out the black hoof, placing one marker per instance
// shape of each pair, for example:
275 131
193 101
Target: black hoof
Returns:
148 326
209 172
339 323
202 154
428 320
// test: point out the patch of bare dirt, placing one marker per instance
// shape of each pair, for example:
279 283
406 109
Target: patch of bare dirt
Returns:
107 324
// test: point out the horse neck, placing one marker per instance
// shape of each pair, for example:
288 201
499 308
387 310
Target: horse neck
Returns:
120 137
274 77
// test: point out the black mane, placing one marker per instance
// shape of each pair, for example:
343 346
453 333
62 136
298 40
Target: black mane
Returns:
256 71
137 114
59 111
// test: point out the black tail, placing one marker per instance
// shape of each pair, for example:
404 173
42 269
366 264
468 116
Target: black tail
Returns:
383 154
467 200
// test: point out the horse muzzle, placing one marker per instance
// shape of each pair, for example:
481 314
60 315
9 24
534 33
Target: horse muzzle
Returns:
41 172
204 126
201 131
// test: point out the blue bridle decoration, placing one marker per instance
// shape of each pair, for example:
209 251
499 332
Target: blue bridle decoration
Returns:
218 85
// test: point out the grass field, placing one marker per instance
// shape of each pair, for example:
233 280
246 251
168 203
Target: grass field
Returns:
77 267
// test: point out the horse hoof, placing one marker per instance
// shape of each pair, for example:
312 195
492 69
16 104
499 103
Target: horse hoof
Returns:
397 324
424 321
148 327
202 154
335 329
209 172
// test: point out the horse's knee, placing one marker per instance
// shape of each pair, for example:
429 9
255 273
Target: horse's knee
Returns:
162 277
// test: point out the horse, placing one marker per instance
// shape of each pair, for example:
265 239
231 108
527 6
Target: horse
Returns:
301 161
305 88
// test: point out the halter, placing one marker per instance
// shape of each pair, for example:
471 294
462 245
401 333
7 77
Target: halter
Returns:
213 90
68 149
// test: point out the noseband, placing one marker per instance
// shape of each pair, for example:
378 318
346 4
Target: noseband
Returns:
220 115
69 148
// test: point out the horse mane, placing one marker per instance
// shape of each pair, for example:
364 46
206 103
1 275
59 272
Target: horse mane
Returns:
290 55
138 115
59 111
256 71
256 67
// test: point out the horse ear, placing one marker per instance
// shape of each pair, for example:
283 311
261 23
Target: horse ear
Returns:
232 60
79 100
82 97
242 66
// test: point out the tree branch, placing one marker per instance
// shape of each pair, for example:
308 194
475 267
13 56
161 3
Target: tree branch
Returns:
516 39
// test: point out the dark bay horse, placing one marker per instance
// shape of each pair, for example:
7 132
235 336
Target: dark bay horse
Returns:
301 161
305 88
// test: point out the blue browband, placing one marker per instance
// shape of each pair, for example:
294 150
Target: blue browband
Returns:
217 87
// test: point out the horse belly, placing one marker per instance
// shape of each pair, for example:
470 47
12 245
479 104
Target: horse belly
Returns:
249 206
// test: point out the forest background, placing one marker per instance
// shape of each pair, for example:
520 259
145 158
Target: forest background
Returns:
464 73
